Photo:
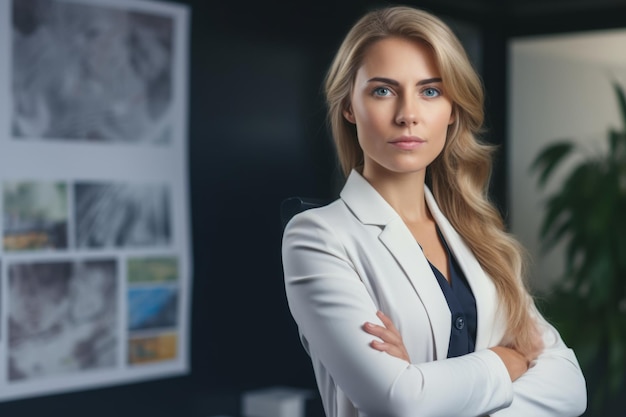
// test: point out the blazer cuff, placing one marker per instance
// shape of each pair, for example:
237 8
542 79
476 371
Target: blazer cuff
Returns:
497 368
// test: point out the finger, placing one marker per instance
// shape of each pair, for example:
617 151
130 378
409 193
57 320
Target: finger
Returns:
385 347
378 345
382 332
375 329
381 346
386 321
390 349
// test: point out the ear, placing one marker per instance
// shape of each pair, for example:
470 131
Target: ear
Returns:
349 116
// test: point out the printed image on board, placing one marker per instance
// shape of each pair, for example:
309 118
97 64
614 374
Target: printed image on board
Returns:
1 324
121 215
156 348
92 73
156 269
35 215
152 307
62 318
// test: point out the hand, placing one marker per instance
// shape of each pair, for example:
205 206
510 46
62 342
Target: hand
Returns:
516 363
391 339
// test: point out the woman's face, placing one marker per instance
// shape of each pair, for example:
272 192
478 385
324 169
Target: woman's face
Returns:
399 107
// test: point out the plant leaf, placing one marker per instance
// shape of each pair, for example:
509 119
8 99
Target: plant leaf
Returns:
549 158
556 217
621 99
617 138
617 352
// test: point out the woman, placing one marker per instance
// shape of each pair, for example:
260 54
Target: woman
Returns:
430 276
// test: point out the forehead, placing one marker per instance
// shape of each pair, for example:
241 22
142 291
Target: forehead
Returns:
399 57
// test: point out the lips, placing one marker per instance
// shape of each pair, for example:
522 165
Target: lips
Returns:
407 142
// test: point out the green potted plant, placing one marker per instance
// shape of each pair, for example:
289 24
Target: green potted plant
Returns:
588 214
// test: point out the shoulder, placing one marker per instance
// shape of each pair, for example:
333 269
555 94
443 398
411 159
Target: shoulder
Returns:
327 217
315 233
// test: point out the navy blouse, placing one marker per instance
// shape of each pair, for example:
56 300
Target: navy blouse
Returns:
462 306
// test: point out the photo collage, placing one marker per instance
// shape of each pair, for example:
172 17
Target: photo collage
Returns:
95 254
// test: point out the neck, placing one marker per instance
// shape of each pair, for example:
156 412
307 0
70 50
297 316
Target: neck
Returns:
404 192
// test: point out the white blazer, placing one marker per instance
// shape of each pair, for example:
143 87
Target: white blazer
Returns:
345 261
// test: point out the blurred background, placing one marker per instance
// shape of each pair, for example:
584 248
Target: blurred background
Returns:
257 135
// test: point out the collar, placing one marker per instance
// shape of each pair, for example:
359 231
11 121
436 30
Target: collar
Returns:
371 208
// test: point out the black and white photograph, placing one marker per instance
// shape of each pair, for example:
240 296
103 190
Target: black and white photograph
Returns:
35 215
63 317
121 215
85 72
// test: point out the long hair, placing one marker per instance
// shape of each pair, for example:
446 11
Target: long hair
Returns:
459 176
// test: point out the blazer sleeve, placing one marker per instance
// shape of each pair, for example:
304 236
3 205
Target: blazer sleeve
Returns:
554 385
330 304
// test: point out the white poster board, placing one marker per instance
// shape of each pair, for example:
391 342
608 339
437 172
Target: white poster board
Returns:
95 259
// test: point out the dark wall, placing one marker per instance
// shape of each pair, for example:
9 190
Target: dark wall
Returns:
257 135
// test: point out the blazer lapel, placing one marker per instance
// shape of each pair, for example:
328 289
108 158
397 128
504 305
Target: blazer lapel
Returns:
370 208
400 242
482 286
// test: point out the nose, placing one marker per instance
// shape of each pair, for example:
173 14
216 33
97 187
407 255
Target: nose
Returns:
406 114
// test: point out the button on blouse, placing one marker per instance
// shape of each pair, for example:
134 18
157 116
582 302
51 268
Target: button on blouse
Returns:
461 303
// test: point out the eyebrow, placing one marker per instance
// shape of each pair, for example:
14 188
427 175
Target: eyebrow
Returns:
394 82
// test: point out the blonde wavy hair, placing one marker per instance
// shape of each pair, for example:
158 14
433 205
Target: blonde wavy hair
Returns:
459 177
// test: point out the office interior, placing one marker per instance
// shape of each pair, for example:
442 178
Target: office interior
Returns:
258 135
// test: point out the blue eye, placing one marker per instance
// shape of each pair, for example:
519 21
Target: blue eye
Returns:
431 92
382 91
